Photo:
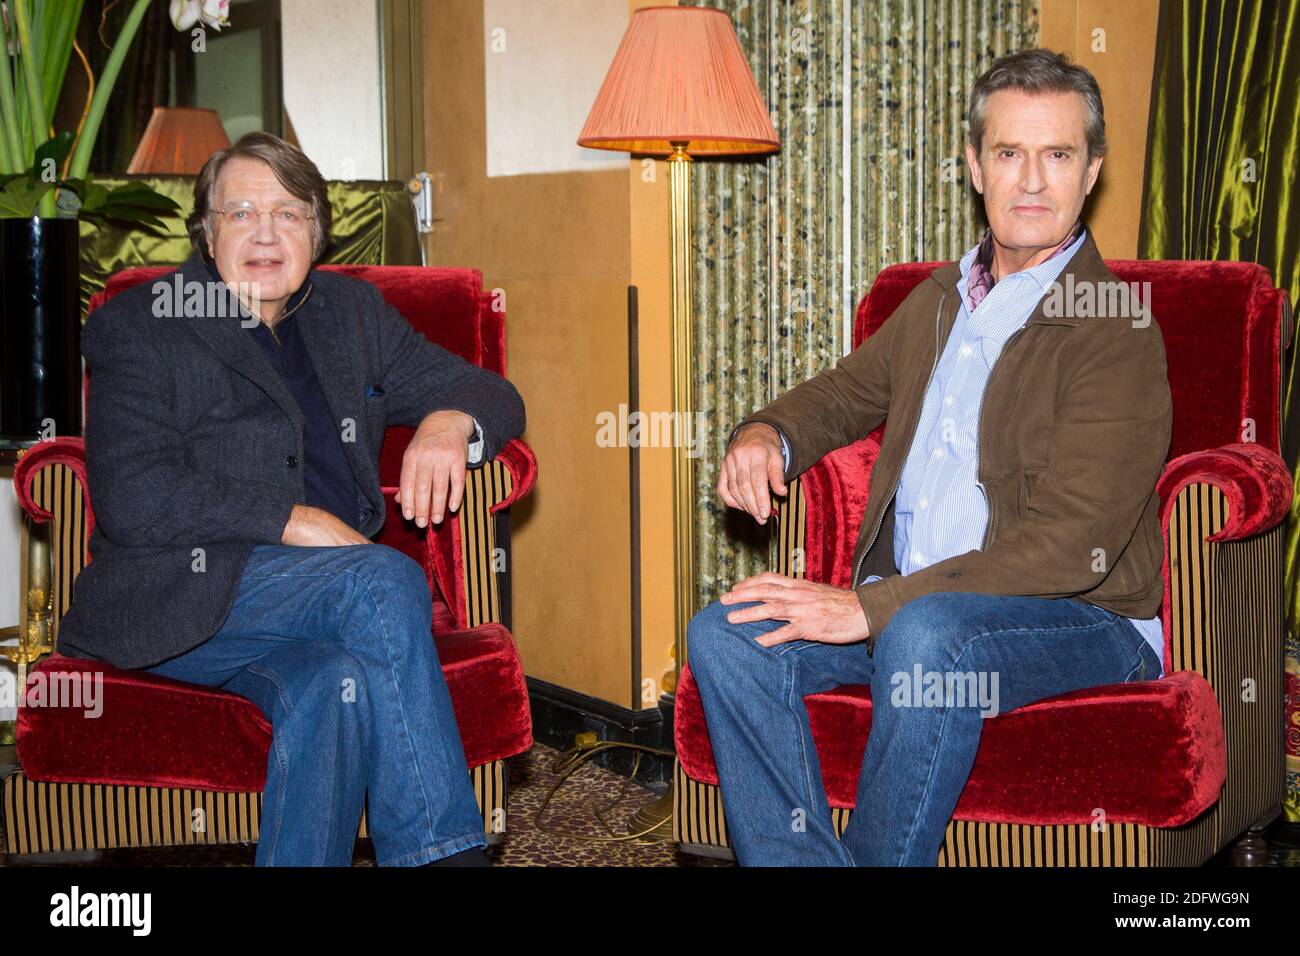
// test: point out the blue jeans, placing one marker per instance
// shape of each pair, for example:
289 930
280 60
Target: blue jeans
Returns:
943 663
335 646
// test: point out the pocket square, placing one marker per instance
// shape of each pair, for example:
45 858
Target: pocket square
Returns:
374 391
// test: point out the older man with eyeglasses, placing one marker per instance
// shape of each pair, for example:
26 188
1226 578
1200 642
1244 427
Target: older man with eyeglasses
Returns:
234 460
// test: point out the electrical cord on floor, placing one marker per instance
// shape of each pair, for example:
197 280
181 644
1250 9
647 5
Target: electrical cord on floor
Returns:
569 762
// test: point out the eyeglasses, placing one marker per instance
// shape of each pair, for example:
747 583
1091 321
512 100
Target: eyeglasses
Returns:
243 216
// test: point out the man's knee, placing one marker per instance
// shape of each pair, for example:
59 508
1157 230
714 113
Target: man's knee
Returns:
715 646
705 630
378 577
929 630
396 568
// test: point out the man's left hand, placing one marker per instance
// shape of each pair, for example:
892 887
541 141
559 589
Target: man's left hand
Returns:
433 467
815 612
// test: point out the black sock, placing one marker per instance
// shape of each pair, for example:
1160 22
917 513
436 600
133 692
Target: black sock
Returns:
474 856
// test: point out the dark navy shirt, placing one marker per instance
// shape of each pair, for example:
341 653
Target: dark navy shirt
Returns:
328 481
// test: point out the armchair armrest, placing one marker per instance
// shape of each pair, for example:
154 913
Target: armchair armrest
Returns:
463 550
69 452
819 521
1254 480
1222 512
50 482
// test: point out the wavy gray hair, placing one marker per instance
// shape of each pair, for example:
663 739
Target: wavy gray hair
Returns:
1039 71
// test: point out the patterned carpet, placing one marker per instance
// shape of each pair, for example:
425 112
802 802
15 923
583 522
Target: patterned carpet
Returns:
575 811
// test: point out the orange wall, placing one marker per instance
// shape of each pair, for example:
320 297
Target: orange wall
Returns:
559 245
1127 29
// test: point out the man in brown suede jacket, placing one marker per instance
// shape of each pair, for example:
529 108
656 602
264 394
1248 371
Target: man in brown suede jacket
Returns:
1010 549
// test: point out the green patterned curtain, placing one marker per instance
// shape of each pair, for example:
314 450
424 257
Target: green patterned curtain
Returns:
869 101
1221 184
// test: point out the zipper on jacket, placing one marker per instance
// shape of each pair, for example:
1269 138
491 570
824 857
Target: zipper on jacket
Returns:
857 568
271 328
979 417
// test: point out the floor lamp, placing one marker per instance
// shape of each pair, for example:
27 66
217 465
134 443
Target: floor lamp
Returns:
680 87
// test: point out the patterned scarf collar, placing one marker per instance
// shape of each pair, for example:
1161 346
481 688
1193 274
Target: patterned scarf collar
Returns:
980 279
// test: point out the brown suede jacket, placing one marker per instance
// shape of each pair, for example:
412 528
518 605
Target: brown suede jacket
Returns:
1072 437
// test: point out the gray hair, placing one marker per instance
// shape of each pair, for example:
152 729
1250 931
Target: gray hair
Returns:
1039 71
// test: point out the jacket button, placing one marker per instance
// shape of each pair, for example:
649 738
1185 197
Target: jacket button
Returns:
292 461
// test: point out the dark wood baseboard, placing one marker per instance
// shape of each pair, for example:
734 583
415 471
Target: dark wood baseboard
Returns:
560 714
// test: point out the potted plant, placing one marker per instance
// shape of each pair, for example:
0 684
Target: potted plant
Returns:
45 189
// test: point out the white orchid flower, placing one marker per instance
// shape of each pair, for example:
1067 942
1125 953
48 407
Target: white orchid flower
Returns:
216 13
212 13
184 13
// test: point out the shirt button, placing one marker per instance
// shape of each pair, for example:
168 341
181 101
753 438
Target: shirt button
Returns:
292 461
965 350
938 453
948 400
925 502
917 556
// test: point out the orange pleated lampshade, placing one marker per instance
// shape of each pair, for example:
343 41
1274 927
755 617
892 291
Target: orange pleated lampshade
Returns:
680 76
178 140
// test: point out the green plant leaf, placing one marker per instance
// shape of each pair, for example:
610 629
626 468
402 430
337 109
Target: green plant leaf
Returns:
109 214
62 17
133 203
20 196
94 197
80 163
138 194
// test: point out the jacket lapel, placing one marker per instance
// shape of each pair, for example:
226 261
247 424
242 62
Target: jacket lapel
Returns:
225 334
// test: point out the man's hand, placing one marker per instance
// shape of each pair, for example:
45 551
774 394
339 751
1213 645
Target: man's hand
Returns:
313 527
433 467
753 464
816 612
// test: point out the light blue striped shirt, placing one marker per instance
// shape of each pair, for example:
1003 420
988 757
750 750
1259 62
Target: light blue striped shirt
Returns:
940 509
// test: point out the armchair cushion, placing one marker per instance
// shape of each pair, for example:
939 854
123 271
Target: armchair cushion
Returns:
153 731
1148 752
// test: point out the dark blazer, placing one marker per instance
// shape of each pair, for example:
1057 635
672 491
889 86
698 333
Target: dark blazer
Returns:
194 442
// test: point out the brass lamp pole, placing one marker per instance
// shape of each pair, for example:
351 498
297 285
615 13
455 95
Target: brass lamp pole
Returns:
679 181
680 87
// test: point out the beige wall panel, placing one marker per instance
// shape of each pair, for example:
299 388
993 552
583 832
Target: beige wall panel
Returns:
1123 70
559 245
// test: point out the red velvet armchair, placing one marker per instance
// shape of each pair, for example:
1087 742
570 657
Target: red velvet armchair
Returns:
173 763
1156 773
